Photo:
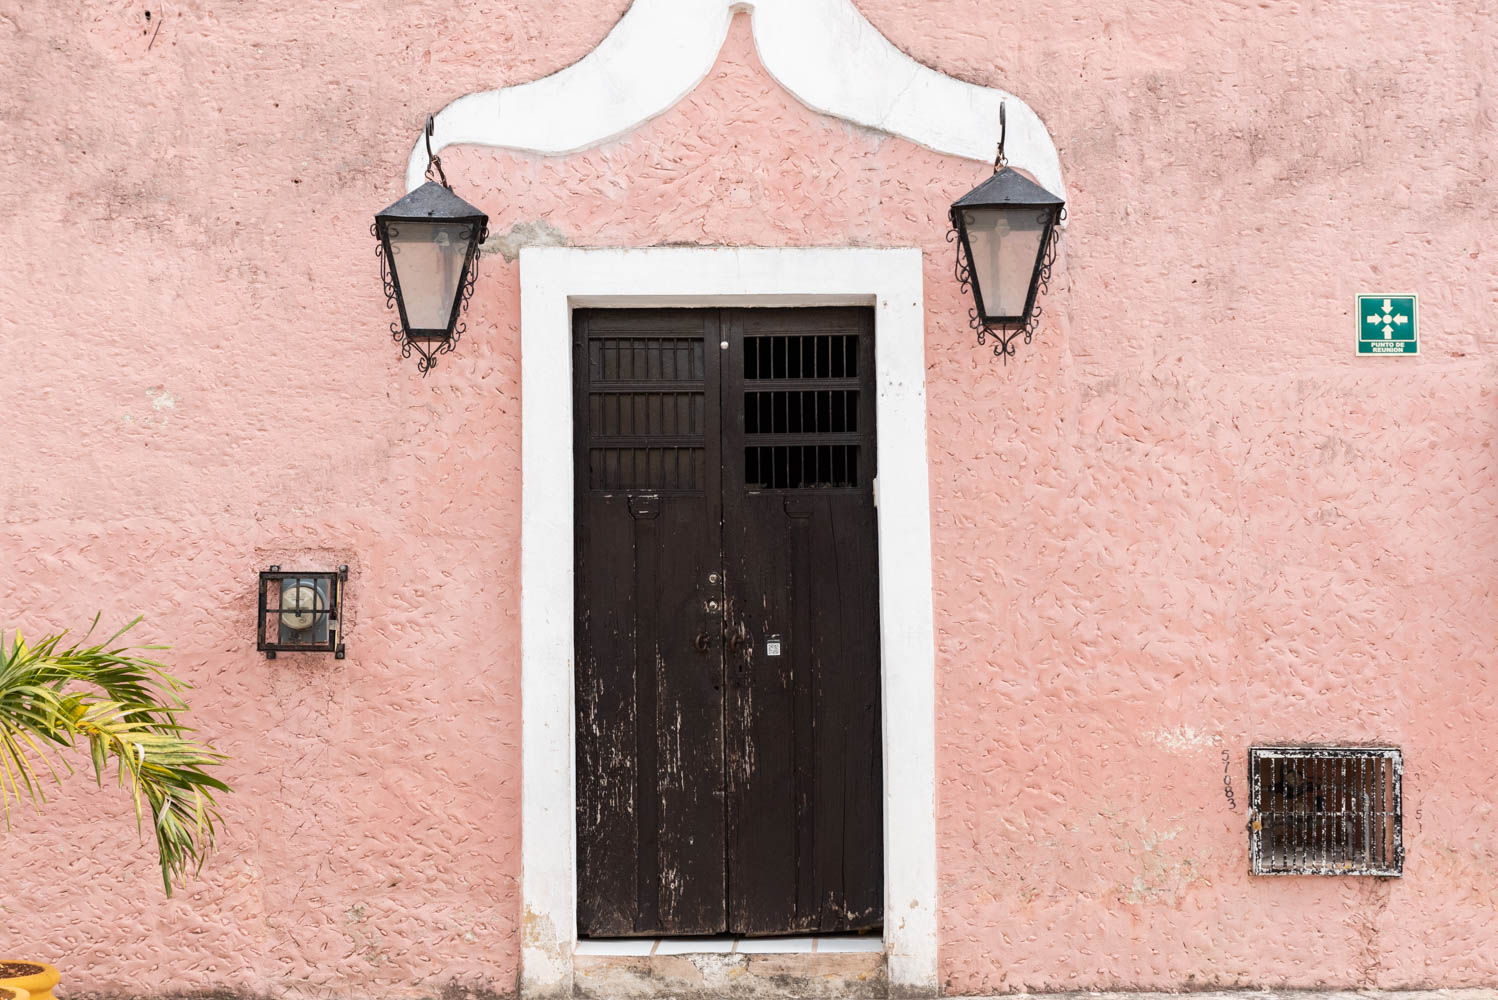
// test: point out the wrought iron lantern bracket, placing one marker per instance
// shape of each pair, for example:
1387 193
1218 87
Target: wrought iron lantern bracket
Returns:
434 162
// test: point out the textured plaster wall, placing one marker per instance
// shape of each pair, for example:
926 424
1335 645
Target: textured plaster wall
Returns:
1187 519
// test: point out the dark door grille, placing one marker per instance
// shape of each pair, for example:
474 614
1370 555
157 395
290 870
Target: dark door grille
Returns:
827 411
802 397
801 356
801 466
1325 810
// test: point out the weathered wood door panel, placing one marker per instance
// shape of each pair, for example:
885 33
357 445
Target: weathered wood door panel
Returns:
801 723
727 631
649 666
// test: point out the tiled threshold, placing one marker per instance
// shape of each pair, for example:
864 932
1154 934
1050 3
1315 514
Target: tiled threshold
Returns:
819 944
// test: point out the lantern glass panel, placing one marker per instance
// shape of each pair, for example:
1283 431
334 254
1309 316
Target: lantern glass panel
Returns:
1005 244
304 610
428 260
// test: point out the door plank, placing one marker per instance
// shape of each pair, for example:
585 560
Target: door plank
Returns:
648 676
649 708
802 660
848 813
802 728
607 831
689 719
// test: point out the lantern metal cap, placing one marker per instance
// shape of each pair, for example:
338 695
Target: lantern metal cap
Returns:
430 202
1008 187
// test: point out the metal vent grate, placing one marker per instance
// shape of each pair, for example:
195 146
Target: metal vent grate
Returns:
1325 810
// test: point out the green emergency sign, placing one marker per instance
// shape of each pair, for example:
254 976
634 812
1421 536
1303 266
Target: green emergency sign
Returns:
1387 325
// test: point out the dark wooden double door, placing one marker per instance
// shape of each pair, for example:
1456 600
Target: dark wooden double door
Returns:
728 749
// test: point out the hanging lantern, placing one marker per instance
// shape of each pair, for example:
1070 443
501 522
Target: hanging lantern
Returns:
428 249
1005 230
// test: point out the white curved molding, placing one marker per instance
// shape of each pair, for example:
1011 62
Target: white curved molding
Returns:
830 58
823 52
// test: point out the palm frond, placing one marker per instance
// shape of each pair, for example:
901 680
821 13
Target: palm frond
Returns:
125 707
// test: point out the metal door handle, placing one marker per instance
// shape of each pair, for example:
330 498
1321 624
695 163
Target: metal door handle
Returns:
704 642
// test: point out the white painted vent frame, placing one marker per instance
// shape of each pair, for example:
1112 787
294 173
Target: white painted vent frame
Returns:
1326 810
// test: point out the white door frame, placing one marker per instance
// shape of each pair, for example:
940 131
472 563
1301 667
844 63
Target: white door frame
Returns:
554 281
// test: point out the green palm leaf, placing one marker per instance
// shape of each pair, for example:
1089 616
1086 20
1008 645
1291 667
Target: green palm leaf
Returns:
125 707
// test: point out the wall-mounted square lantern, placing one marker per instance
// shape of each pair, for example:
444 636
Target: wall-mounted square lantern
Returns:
1005 230
300 612
428 249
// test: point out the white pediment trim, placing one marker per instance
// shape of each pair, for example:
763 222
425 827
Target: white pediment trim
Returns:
823 52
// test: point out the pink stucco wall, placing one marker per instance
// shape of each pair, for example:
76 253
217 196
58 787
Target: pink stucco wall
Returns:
1187 520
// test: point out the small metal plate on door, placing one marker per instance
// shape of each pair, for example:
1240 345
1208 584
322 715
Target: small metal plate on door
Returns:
772 647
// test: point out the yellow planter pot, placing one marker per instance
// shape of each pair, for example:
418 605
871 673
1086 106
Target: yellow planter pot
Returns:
34 978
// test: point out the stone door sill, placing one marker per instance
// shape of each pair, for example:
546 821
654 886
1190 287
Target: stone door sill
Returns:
813 944
747 969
